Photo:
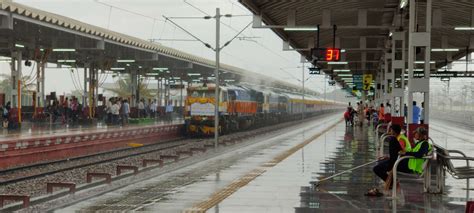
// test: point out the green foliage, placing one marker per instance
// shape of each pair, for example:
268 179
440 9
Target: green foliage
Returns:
123 86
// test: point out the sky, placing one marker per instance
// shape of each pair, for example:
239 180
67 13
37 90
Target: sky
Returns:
260 52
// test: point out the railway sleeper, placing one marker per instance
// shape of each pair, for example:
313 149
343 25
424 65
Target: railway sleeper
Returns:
51 185
24 198
106 176
121 168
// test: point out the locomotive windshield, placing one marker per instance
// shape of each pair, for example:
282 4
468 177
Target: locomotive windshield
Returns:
202 94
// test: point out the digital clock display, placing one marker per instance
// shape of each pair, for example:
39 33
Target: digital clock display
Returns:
326 54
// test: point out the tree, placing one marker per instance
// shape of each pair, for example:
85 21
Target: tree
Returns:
27 84
123 86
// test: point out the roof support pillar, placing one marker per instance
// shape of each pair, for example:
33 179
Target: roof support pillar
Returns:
398 71
15 95
417 39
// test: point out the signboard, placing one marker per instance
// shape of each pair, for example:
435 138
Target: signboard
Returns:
357 79
367 81
314 71
326 54
206 109
444 74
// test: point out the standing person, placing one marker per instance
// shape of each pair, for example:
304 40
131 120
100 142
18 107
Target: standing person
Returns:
422 113
153 109
388 112
381 114
126 112
416 113
141 109
109 110
66 110
169 110
360 113
115 112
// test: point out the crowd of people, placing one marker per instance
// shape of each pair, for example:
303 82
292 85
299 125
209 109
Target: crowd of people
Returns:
381 114
398 143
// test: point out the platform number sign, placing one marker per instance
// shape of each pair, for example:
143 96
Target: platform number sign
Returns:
367 82
314 71
326 54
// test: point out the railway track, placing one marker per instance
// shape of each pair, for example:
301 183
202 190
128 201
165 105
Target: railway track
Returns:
20 178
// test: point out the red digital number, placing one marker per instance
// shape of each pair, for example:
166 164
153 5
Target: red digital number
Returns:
329 54
332 54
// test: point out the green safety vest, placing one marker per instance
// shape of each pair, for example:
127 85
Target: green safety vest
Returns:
405 140
416 164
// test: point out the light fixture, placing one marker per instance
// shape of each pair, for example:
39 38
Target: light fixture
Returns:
128 65
390 34
422 62
176 78
66 61
343 50
160 68
64 50
229 80
194 74
19 46
445 50
337 62
139 67
403 3
344 75
343 70
464 28
117 68
125 61
300 29
415 70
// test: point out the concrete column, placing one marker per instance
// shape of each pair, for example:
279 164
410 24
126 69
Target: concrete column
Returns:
419 39
16 82
85 95
133 88
398 64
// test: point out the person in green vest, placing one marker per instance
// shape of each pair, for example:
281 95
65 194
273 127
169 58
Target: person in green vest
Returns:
412 165
421 149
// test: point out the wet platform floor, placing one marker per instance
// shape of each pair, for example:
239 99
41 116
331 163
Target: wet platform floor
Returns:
32 130
274 177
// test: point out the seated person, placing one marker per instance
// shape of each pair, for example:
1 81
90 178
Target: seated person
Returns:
411 165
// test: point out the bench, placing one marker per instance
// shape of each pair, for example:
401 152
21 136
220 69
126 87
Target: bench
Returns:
462 172
426 175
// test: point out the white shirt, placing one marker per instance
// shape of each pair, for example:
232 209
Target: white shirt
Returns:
115 109
388 110
141 105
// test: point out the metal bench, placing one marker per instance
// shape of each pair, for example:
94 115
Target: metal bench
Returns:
426 175
462 172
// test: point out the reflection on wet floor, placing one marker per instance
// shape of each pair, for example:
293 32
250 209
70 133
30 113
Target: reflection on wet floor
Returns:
37 130
284 187
345 193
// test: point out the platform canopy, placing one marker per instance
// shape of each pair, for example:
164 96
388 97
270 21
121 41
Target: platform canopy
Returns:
74 43
363 29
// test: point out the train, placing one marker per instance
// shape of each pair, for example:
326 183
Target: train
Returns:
242 107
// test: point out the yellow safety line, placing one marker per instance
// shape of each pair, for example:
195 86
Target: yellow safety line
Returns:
219 196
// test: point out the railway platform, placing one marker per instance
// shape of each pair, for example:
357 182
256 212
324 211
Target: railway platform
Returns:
274 175
46 143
